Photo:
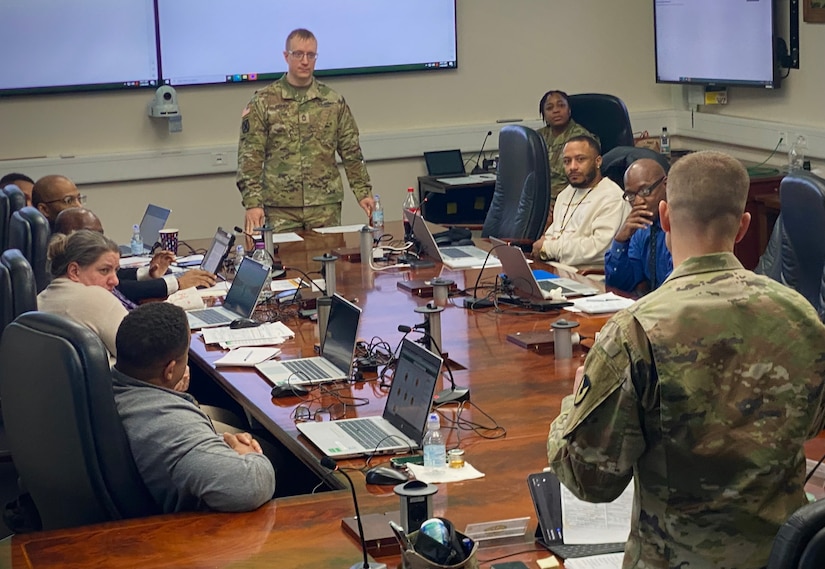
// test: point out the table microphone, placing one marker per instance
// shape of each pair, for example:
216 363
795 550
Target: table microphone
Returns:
330 463
478 169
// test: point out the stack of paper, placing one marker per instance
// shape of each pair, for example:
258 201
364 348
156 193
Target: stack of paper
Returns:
601 303
247 357
607 561
269 334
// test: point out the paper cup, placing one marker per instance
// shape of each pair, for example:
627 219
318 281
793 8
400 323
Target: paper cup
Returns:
169 240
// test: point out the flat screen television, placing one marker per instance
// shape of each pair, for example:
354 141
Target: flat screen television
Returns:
716 42
62 46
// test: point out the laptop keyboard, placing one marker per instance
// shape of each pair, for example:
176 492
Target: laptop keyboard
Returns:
209 316
306 369
573 550
368 434
454 253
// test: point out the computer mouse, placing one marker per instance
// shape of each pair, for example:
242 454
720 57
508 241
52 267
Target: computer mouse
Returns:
243 323
286 390
385 475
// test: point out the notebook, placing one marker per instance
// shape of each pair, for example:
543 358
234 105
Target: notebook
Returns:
154 219
545 489
220 247
401 427
448 166
453 256
524 280
337 349
240 301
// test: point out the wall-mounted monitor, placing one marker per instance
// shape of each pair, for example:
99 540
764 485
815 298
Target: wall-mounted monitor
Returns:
222 41
57 46
716 42
62 46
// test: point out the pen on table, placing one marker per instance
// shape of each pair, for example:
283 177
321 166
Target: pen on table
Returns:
248 355
401 536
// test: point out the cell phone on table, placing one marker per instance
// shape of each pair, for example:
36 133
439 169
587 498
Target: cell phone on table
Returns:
402 461
509 565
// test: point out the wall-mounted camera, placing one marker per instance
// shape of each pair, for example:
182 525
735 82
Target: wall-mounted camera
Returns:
164 105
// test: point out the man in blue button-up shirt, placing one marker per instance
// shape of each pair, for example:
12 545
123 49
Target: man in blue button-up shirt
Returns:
638 260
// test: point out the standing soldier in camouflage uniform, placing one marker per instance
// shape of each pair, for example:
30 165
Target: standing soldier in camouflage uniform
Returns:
290 132
703 392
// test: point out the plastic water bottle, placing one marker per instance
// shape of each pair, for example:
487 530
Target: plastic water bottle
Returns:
411 205
664 142
262 257
239 255
378 215
136 244
435 450
796 155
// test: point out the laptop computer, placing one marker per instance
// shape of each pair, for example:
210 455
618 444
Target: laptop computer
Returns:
240 301
545 489
453 256
221 245
337 349
524 280
154 219
401 427
448 167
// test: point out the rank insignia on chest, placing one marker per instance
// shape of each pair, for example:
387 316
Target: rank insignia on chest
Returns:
304 118
245 126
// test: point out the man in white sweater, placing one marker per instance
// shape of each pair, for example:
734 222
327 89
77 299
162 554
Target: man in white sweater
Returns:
587 213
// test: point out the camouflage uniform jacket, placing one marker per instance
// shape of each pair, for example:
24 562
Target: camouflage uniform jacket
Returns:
555 146
703 392
286 153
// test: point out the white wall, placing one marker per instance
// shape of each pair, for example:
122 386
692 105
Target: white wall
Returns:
510 53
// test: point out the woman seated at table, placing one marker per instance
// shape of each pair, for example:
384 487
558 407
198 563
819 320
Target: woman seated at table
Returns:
84 267
559 128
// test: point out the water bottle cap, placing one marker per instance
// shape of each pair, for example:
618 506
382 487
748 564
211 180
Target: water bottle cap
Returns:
136 227
433 419
260 245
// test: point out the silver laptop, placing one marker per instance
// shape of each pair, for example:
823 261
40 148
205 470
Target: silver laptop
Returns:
240 301
337 350
525 282
401 427
455 257
154 219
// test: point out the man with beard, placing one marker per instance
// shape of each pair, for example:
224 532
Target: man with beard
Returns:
587 213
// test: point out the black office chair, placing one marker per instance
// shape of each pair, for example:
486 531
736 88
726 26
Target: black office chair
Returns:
518 210
29 231
802 199
616 160
63 428
6 298
605 116
11 199
800 542
23 292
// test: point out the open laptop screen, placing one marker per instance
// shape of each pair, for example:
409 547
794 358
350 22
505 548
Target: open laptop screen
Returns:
444 163
342 330
153 221
411 393
243 294
220 246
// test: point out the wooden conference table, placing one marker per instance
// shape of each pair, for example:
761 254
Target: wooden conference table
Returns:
519 389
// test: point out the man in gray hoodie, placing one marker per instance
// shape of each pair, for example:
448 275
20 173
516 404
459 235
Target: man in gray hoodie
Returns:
185 464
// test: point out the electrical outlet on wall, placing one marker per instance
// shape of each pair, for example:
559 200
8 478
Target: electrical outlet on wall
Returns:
784 143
